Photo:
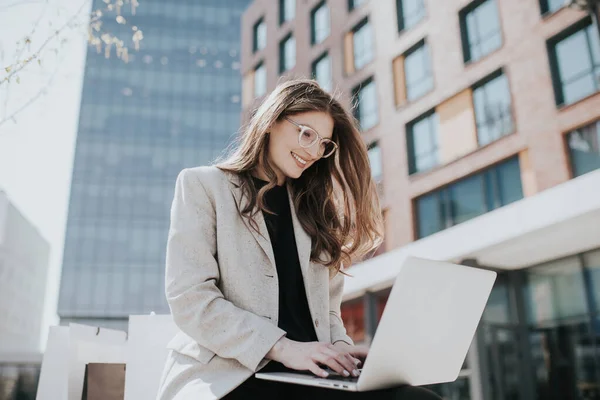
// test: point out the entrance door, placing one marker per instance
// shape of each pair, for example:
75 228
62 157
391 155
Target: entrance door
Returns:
505 362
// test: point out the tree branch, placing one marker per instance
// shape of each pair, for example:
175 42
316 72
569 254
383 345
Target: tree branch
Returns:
32 100
12 70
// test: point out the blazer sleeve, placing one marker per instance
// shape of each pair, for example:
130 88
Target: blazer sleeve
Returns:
336 325
197 305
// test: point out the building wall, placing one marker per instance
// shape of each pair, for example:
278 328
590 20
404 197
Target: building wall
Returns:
176 104
24 255
506 359
539 124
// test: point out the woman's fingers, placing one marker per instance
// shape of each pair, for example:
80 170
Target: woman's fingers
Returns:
358 351
330 362
341 358
318 371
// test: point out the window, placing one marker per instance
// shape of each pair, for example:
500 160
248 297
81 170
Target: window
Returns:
260 35
555 291
584 149
469 197
374 152
417 70
287 10
550 6
575 63
352 4
492 104
321 71
422 140
319 23
366 110
362 44
260 80
287 54
410 13
480 29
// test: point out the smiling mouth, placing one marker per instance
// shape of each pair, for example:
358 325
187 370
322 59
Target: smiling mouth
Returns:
299 159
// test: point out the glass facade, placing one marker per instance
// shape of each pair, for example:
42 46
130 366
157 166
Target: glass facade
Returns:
469 197
320 23
480 29
575 63
418 73
175 105
493 109
410 13
584 149
422 141
540 336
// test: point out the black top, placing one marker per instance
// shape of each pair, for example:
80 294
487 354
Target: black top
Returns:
294 313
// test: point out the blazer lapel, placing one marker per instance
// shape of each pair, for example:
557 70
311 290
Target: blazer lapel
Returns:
262 237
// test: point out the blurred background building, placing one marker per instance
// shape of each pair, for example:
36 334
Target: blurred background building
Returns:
482 120
23 270
176 104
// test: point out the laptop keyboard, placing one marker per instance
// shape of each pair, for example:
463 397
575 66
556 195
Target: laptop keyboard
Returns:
338 377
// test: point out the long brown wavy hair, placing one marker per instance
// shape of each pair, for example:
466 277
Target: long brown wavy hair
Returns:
335 198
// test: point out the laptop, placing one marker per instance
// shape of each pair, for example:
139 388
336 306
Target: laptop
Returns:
425 331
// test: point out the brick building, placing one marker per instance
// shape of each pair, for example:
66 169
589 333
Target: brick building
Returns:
483 123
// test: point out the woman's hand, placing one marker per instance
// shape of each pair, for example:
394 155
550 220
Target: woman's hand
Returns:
358 353
312 355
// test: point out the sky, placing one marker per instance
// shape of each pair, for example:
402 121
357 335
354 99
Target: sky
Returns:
37 148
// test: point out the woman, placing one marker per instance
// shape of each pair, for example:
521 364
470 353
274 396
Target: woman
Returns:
255 253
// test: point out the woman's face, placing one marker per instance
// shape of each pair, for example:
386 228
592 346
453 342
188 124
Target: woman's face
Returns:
287 157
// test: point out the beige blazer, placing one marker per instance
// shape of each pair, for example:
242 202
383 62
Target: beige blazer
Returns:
222 288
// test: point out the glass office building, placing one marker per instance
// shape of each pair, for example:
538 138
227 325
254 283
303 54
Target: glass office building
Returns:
176 104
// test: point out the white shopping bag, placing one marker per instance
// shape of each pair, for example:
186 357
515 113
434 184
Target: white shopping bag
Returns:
68 350
54 374
146 354
90 344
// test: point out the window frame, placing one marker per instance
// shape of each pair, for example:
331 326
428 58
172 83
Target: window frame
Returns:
464 31
545 8
400 20
423 46
255 27
551 44
356 95
282 43
361 24
352 6
569 151
313 69
490 185
375 144
410 142
480 84
261 64
313 24
282 12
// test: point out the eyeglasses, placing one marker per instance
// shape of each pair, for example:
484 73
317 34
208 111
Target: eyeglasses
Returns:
307 137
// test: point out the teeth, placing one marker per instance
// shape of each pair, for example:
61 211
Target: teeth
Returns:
298 158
